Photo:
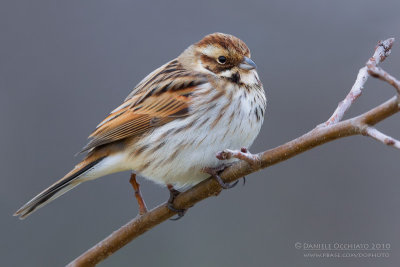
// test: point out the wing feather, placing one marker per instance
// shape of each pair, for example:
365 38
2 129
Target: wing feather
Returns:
164 95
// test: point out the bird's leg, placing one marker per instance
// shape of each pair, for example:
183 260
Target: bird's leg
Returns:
214 172
173 193
138 195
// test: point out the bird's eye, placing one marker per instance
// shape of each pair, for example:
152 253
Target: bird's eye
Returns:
221 60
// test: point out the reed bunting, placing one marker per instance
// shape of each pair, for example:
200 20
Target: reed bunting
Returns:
173 123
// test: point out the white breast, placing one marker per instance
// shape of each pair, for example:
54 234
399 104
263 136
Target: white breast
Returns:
177 151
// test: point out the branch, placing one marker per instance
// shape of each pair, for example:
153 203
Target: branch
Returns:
333 129
379 73
381 137
382 50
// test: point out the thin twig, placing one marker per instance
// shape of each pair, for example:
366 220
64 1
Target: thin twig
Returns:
382 51
381 137
381 74
333 129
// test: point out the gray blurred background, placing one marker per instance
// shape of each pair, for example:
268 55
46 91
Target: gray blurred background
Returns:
65 64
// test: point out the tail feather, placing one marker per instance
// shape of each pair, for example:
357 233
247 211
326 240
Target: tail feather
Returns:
57 189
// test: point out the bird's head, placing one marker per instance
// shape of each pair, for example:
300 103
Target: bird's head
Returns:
223 55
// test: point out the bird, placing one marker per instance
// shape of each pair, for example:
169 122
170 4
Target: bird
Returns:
174 122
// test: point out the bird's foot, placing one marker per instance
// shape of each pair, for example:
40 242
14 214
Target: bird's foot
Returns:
173 193
242 154
214 172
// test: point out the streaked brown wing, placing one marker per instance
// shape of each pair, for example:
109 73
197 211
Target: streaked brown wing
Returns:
161 97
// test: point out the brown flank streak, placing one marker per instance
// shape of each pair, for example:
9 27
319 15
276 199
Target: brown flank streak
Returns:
164 135
203 122
143 167
220 115
140 150
173 156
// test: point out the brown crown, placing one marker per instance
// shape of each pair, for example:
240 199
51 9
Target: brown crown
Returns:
226 41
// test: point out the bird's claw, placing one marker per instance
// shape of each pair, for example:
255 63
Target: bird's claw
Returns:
223 184
173 193
214 172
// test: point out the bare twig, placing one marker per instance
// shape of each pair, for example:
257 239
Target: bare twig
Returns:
381 137
379 73
382 51
334 129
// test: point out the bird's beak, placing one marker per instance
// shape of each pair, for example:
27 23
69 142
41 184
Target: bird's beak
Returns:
247 64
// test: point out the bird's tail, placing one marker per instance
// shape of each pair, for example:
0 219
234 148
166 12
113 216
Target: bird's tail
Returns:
69 181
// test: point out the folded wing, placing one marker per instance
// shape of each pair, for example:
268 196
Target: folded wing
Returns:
161 97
